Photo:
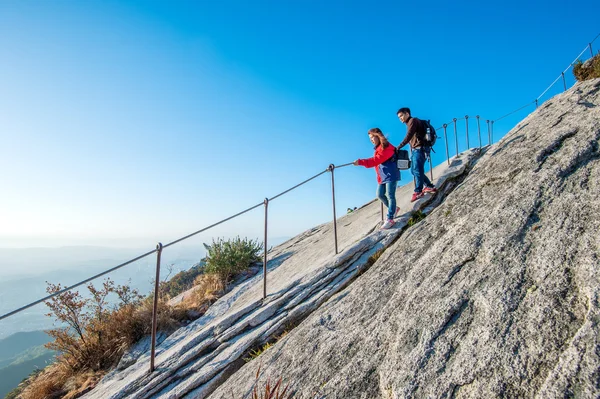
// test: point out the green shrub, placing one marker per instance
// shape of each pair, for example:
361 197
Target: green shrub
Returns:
588 70
415 218
226 258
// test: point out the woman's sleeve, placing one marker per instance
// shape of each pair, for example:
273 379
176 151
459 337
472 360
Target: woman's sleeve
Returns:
379 158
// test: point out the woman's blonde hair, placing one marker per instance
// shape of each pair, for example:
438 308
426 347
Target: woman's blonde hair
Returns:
379 134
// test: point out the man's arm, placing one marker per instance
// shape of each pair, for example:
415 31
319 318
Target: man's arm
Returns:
411 130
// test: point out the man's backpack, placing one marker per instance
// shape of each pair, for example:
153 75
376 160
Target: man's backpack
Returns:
430 133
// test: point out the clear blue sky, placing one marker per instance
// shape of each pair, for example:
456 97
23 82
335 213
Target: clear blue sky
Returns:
131 122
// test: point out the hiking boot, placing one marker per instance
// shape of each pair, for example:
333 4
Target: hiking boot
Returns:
416 196
431 190
387 224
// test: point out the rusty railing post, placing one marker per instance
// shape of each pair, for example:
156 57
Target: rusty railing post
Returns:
446 140
331 169
455 136
414 178
266 202
430 167
478 130
159 248
467 126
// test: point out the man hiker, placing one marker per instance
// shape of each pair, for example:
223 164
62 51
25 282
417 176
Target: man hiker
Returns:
415 136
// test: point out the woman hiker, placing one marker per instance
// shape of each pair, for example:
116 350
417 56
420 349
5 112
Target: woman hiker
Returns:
387 172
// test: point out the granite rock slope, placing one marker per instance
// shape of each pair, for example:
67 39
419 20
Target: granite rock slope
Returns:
495 294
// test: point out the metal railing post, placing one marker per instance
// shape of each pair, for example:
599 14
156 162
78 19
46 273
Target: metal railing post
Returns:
381 210
536 103
564 81
591 51
488 129
331 169
414 178
430 167
159 248
266 202
467 126
478 130
455 136
446 140
492 131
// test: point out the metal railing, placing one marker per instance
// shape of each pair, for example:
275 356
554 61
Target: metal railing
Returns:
331 168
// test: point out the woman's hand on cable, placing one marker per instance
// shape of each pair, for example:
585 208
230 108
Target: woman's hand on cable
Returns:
355 163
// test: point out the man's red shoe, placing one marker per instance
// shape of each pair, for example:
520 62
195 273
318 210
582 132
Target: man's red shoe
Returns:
416 196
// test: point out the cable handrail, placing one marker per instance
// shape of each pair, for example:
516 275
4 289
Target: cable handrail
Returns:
297 185
76 285
516 110
212 225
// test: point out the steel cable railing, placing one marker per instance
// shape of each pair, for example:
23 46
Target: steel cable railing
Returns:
331 168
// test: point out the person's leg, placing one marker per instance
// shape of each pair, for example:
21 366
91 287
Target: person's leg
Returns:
391 192
381 194
426 181
418 168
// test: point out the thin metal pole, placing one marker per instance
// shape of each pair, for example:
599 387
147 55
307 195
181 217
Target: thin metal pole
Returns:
431 167
381 210
492 131
591 51
446 140
159 248
478 130
564 81
536 103
488 128
467 126
331 169
266 202
456 137
414 178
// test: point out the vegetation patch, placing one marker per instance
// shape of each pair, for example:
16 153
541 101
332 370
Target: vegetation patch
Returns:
270 390
587 70
226 258
182 281
415 218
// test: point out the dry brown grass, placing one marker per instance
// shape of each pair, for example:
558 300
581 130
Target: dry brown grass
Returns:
59 381
207 289
47 384
588 70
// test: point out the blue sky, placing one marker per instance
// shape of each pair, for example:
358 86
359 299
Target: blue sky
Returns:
130 122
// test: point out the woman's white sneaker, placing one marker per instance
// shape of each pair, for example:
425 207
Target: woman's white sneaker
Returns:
387 224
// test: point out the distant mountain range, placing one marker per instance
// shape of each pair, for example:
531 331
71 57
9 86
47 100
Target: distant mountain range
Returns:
20 355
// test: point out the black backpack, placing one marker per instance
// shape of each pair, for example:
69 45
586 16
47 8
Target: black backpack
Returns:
430 133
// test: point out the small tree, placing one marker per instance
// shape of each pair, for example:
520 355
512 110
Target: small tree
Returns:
88 340
226 258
